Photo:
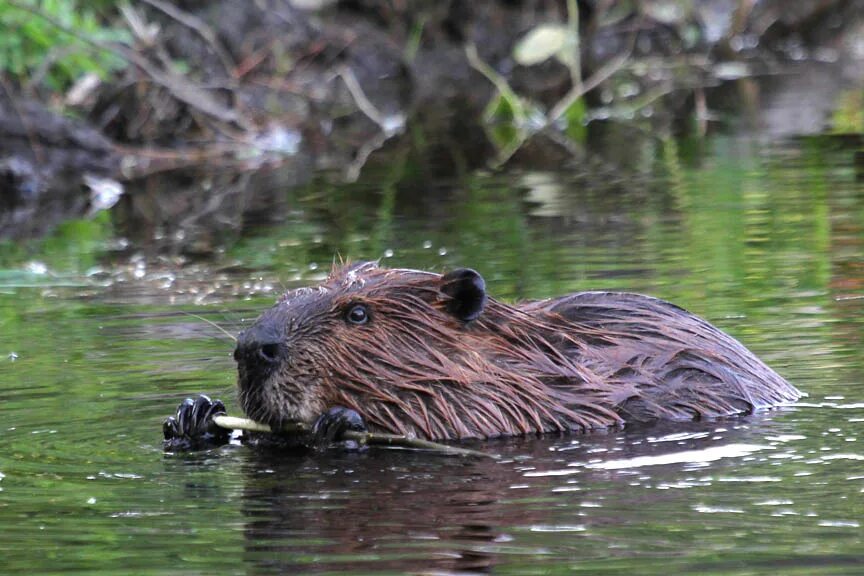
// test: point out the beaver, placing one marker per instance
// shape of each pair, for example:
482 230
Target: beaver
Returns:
419 353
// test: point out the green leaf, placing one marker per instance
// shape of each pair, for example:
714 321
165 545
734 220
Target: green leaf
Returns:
499 109
505 135
575 117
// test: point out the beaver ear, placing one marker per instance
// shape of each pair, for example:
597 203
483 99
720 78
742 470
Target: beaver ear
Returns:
467 293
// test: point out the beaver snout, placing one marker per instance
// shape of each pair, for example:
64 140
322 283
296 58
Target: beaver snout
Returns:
260 348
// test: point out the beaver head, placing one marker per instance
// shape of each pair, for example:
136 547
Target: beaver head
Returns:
412 352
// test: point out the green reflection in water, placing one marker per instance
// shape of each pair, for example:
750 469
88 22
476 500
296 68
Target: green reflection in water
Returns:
765 240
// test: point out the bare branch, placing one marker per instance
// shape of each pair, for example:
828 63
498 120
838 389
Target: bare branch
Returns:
370 438
200 27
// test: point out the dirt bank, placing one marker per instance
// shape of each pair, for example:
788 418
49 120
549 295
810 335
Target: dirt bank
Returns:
217 91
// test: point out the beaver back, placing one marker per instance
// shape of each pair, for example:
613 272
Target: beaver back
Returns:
662 362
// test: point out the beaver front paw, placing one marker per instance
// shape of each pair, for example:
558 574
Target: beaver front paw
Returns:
193 427
329 427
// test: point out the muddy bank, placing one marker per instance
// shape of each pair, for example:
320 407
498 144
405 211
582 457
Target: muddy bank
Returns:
49 166
224 105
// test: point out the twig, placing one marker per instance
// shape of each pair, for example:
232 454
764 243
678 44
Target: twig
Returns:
388 127
574 63
235 423
199 26
370 438
360 98
366 150
197 98
500 83
582 88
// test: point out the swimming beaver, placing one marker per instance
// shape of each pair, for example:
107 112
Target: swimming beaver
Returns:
413 352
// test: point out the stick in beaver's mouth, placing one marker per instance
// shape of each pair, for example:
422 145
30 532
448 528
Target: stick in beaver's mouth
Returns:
362 438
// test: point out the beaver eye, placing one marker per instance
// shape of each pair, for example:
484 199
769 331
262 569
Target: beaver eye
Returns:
358 314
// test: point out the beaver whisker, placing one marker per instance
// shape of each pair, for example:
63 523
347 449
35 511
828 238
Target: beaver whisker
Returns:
211 323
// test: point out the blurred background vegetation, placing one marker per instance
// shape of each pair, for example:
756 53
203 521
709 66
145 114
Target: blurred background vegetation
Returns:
38 54
185 121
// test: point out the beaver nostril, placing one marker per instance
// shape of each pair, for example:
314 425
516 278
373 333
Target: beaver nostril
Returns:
269 352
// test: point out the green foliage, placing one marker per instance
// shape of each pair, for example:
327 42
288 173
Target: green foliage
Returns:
510 119
505 121
34 50
575 115
848 117
71 249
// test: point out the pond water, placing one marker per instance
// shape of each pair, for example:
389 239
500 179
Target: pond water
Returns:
764 238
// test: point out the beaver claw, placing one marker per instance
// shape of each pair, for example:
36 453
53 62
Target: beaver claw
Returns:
193 428
330 425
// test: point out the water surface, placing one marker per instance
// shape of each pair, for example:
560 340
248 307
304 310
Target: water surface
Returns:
763 238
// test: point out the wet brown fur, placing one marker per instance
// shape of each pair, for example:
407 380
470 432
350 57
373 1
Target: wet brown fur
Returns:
581 362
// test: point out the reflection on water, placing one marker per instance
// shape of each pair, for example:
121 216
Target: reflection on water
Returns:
608 502
765 240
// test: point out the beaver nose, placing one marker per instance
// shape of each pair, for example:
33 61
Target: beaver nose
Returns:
256 347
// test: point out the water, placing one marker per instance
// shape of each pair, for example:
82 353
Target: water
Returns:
763 238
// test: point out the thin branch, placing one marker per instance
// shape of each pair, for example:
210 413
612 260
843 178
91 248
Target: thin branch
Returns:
579 90
235 423
575 61
498 81
362 156
370 438
182 88
363 103
199 26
